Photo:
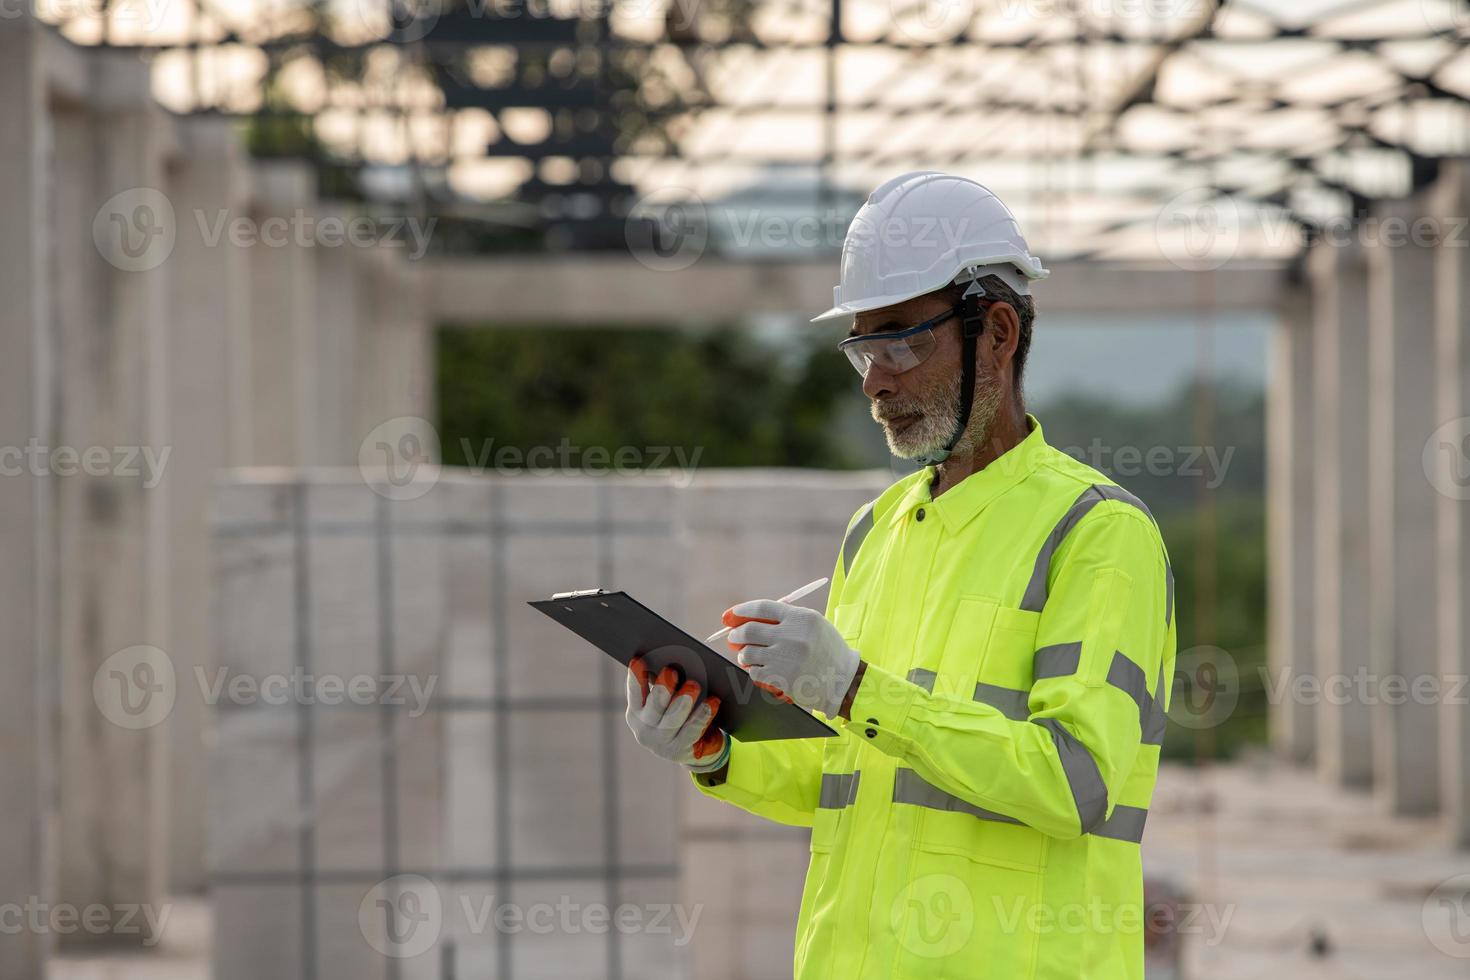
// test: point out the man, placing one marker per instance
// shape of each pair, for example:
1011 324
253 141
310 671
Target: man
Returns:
994 654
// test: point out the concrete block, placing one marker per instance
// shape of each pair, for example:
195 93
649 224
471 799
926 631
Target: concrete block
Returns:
554 757
648 789
348 778
420 776
570 947
661 932
342 951
468 661
472 829
547 500
255 807
546 660
258 932
255 607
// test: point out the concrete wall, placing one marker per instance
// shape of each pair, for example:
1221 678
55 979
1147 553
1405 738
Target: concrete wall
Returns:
137 336
520 785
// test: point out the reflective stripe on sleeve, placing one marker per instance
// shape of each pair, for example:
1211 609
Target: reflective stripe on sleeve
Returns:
1126 824
855 535
1057 660
839 789
1088 790
1036 588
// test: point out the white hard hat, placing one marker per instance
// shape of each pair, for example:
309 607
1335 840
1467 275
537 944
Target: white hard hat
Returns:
922 231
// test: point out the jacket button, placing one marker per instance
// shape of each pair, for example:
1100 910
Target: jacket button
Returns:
871 732
919 514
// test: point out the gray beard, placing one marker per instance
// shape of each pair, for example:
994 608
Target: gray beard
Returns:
939 410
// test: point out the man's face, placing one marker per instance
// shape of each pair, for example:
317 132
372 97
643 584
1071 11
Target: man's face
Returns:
918 408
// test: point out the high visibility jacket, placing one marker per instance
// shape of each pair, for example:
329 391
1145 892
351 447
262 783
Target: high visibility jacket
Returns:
980 814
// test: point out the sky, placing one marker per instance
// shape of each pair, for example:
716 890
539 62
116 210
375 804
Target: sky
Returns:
1140 360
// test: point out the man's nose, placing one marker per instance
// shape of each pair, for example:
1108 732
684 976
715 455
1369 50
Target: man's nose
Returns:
878 383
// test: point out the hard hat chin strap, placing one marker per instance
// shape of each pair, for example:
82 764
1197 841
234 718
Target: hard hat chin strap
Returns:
972 325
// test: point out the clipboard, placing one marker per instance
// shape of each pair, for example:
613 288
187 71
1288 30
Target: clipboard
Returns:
622 627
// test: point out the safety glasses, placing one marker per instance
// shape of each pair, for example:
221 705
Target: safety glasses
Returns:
898 351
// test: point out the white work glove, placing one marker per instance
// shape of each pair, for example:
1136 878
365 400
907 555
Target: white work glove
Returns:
675 724
795 650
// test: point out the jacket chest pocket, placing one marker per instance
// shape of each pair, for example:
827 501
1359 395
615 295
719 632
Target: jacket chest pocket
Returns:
989 646
1010 655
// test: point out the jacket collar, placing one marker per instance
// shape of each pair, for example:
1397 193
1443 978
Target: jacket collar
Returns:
958 505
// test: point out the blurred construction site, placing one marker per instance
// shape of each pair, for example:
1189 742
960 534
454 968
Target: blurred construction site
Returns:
337 330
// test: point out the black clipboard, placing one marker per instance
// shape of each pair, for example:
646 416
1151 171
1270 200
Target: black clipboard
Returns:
622 627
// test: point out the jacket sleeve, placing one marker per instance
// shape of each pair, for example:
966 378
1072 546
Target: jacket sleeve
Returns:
778 780
1100 644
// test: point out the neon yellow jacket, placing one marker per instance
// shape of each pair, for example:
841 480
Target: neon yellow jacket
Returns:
980 815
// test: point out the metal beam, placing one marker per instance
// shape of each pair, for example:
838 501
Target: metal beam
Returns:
621 290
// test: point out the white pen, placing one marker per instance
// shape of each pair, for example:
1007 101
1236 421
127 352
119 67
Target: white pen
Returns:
800 593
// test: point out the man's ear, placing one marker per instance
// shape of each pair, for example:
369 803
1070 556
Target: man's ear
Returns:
1002 335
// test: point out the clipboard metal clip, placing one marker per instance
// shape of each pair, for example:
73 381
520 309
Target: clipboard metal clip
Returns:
578 593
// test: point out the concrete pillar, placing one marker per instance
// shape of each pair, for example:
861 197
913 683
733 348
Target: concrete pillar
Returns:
1289 519
1447 465
208 324
282 352
341 310
26 413
1340 557
114 226
396 345
1407 693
